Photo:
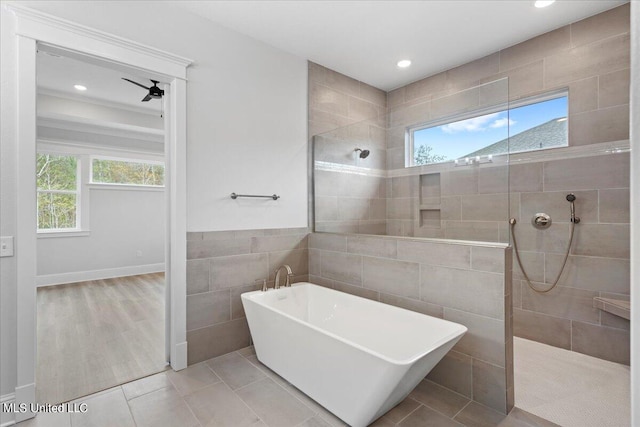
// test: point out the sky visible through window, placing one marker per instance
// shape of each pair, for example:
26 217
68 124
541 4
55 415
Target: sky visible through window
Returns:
455 140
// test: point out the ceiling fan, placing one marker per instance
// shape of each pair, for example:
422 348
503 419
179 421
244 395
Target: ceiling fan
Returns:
154 91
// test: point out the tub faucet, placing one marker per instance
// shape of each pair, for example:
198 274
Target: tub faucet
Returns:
287 281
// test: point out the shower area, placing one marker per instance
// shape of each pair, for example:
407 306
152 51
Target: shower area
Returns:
473 157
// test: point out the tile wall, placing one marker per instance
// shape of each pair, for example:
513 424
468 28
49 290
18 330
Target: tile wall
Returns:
221 265
464 283
345 114
590 58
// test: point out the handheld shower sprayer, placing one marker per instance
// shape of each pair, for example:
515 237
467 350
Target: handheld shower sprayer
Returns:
571 198
542 221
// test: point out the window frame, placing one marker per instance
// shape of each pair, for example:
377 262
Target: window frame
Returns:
505 106
78 229
92 183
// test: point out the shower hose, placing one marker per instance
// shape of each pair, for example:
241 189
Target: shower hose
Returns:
524 273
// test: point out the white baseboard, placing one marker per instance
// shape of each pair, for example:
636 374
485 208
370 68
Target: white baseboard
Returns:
7 418
83 276
179 357
25 394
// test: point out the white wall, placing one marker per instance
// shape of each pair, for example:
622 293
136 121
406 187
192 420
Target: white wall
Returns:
123 222
246 126
8 295
246 112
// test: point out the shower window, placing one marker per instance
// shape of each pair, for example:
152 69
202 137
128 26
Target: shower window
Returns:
529 124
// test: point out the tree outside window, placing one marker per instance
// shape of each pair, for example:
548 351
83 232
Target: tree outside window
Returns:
57 182
109 171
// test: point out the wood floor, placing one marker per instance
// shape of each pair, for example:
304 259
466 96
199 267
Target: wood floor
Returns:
98 334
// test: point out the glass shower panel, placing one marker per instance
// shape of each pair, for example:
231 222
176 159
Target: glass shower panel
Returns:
437 169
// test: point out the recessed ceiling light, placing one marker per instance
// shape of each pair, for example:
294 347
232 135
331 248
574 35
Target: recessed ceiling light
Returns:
80 87
543 3
404 63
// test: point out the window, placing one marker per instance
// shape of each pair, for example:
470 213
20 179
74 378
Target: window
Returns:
129 172
530 124
57 182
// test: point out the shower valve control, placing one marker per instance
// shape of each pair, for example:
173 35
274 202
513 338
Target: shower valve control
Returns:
541 221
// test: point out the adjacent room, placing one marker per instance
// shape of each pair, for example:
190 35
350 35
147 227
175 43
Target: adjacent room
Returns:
312 213
101 228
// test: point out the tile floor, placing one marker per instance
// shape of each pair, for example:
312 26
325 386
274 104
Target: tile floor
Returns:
569 388
236 390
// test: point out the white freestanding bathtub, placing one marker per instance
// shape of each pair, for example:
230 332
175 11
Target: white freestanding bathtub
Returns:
356 357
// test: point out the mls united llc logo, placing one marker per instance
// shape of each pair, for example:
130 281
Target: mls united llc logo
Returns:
37 407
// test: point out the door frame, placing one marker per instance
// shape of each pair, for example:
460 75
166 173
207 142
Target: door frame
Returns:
34 28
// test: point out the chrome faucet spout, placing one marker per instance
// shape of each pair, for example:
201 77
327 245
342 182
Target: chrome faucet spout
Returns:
287 281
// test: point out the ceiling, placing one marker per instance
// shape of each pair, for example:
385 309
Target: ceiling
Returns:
365 39
58 74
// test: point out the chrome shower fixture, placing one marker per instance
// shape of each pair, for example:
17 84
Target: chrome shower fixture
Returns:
363 153
571 198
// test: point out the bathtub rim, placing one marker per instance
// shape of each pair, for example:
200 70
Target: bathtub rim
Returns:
400 363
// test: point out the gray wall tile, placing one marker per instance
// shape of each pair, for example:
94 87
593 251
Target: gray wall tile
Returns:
601 342
613 88
329 242
445 254
563 302
391 276
488 259
542 328
214 248
454 372
216 340
604 240
536 48
614 205
590 273
601 26
489 385
471 291
278 243
342 267
208 309
364 245
601 57
484 339
604 125
237 310
197 276
239 270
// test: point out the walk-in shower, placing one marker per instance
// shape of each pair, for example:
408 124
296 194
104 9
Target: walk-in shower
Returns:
422 181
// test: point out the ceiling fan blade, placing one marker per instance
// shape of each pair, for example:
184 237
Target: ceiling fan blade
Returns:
146 98
135 83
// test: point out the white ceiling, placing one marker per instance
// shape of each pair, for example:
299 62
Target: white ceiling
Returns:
58 74
365 39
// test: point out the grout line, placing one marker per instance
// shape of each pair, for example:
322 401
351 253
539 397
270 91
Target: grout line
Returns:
409 414
463 408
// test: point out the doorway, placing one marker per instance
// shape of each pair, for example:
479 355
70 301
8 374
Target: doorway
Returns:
33 30
100 225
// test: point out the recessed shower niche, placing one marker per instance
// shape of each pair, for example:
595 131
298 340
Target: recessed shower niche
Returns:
429 208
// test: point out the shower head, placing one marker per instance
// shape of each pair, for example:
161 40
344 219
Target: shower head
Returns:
571 198
363 153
